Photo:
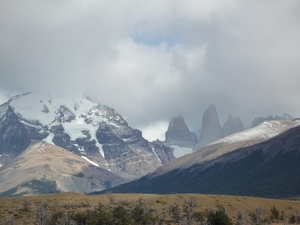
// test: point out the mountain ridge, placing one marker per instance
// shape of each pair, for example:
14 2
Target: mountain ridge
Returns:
81 126
266 169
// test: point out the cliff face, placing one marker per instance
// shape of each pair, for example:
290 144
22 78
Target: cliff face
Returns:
179 134
211 128
232 126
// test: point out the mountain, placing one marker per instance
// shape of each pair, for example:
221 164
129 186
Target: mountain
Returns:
211 128
232 126
179 137
46 168
252 136
179 134
259 120
235 165
183 141
81 126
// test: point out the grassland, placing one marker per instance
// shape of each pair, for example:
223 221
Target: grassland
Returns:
22 210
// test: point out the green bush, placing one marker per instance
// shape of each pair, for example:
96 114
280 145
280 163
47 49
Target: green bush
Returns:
218 217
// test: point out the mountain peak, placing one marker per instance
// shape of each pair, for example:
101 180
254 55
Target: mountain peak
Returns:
179 134
81 126
232 126
211 128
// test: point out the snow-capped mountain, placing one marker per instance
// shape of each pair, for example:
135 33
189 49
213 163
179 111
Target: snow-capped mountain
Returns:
96 132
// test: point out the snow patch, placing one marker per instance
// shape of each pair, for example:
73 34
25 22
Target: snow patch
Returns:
90 161
156 155
263 131
80 149
32 106
297 121
49 138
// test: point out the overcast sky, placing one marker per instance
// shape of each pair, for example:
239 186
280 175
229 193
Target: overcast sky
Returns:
152 60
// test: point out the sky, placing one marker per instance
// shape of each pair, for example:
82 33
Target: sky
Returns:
153 60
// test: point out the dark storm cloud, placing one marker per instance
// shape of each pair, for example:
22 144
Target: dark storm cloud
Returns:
152 60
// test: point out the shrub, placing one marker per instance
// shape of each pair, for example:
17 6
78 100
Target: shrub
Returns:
274 213
174 212
218 217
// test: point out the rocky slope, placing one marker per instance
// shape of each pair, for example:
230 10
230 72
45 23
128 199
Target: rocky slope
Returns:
81 126
46 168
268 168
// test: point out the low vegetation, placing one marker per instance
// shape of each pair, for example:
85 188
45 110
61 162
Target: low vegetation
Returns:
136 209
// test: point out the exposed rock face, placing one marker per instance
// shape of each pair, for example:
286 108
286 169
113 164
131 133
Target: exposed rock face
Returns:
14 135
81 126
259 120
164 153
232 126
179 134
211 128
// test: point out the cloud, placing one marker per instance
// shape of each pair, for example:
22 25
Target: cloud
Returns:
152 60
155 131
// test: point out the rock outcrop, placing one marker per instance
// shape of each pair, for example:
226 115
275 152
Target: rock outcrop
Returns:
179 134
232 126
211 128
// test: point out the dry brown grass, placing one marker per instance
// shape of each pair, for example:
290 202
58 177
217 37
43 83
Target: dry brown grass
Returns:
13 208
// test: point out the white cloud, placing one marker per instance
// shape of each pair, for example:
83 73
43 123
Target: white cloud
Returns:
155 131
152 60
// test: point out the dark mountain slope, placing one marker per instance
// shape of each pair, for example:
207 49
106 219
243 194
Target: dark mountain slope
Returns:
267 169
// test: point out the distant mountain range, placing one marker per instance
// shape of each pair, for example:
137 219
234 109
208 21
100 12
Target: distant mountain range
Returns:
262 161
183 141
51 143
